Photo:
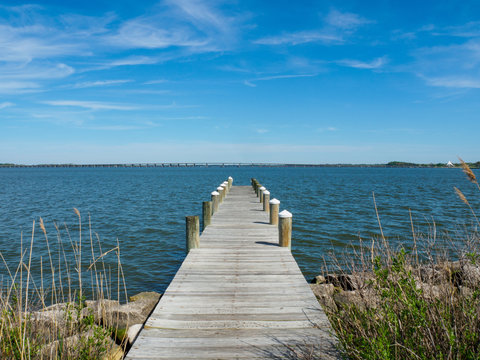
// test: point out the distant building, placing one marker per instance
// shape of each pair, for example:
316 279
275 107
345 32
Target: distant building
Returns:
449 164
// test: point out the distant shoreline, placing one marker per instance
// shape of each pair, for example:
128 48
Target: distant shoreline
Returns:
392 164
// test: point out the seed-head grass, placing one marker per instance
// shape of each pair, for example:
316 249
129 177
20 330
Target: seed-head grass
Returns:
414 302
42 309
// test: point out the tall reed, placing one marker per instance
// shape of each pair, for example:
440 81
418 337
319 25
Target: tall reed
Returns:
42 309
403 307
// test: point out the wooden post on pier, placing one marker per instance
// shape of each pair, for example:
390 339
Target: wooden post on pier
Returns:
274 208
285 229
193 232
225 186
230 182
266 201
215 201
260 193
220 194
207 213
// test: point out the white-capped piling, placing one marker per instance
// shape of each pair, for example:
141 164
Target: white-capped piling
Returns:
206 213
192 224
285 229
274 208
225 185
230 182
260 193
215 201
220 192
266 201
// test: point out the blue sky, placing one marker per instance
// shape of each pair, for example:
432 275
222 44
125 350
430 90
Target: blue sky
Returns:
239 81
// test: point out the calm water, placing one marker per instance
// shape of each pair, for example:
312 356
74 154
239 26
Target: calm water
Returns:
144 208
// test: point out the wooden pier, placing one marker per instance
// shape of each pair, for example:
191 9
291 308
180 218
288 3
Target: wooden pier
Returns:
238 295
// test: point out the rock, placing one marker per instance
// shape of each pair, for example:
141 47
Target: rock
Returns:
145 301
350 282
112 313
320 279
61 317
434 292
132 332
87 344
324 294
362 299
471 275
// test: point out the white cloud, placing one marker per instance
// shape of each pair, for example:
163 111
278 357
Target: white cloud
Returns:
300 37
261 131
18 87
346 21
154 82
374 64
251 82
454 82
91 105
6 104
133 60
88 84
451 66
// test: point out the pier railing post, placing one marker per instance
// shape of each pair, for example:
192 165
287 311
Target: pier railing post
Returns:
193 232
230 182
274 208
285 229
266 201
260 193
220 194
207 213
257 188
215 201
225 186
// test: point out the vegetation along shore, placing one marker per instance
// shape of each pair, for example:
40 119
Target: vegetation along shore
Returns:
393 304
382 303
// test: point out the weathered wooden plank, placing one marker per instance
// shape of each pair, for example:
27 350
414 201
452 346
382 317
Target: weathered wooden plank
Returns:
239 295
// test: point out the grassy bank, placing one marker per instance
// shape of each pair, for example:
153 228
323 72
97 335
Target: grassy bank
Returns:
45 315
398 305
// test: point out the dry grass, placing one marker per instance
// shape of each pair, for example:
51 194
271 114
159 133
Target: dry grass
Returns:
43 313
408 308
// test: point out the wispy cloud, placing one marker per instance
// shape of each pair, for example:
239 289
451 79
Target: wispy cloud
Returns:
251 82
347 21
18 87
88 84
374 64
154 82
300 37
196 25
328 128
336 25
6 105
450 66
454 82
91 105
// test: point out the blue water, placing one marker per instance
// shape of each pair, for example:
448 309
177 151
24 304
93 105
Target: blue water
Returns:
145 208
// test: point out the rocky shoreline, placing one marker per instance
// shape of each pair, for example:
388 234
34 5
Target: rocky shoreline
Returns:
437 281
114 326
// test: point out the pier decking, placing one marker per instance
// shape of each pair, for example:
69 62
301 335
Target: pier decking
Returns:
239 295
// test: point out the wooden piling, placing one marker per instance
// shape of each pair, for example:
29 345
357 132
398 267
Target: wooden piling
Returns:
266 201
207 213
193 232
220 193
225 185
260 193
215 201
285 229
274 208
230 182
